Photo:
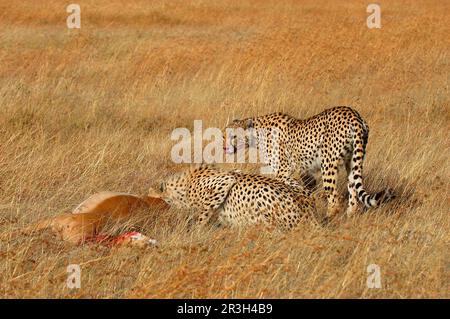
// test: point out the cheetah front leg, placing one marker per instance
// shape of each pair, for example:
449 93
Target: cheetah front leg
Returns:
329 175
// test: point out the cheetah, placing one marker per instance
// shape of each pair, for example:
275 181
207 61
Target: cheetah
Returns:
237 199
322 142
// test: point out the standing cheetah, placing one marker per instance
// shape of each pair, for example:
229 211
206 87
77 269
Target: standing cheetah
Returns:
238 199
336 136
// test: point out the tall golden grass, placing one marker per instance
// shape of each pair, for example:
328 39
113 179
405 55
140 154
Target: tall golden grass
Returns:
92 109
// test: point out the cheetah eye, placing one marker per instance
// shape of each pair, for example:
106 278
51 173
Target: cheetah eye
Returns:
162 187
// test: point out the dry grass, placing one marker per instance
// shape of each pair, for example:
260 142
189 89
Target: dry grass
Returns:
92 109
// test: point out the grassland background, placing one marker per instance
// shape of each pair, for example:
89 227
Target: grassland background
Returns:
92 109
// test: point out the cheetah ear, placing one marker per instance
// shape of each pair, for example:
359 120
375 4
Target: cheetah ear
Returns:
249 123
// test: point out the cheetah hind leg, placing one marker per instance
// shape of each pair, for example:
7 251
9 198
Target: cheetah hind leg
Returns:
352 195
329 175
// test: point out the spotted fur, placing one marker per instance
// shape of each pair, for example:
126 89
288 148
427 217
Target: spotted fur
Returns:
336 136
238 199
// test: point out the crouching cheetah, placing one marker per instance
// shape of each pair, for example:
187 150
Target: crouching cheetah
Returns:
336 136
238 198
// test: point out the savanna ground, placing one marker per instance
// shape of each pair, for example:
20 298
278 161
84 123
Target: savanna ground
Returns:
92 109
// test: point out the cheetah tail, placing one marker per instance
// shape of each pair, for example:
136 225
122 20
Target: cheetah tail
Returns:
355 178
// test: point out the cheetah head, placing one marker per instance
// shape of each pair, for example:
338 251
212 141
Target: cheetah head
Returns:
173 190
199 187
240 134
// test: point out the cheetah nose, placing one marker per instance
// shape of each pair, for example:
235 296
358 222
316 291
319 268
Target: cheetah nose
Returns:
162 187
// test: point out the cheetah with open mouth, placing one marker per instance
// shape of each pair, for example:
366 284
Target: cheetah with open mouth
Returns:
322 142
